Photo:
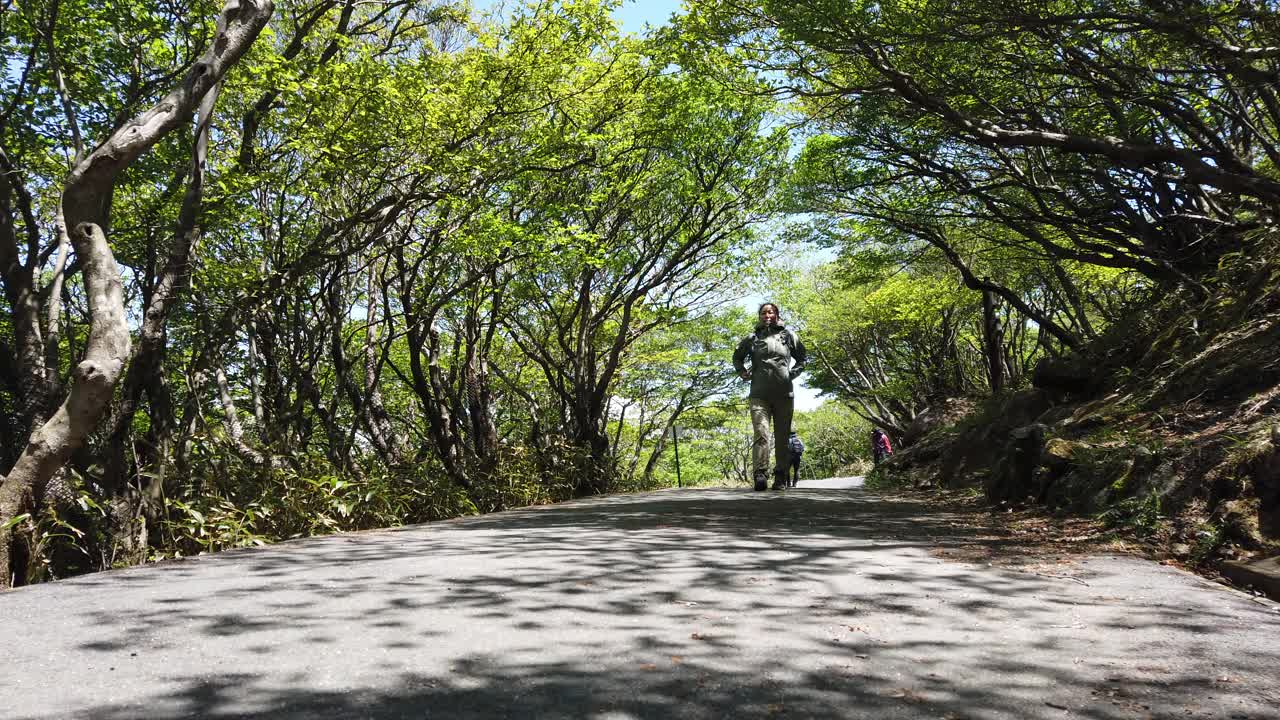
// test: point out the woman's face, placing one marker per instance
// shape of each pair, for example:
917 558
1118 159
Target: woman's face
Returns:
768 315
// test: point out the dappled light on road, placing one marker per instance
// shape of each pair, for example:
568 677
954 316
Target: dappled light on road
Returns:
691 604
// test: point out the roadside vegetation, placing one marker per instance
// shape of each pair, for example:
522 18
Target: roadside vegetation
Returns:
1057 248
282 270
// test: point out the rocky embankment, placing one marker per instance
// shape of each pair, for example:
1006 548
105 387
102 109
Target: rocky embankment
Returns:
1167 427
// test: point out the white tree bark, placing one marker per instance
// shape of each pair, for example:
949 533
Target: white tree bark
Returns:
85 205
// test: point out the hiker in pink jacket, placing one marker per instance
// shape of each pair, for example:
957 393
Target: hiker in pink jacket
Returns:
880 446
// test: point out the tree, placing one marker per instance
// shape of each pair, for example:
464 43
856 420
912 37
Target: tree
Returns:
402 273
681 367
652 224
84 218
837 440
886 347
1137 136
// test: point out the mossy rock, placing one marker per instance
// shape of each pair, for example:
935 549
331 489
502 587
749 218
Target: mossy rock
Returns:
935 417
1265 474
1060 454
1072 375
1087 478
1085 488
1239 520
1017 468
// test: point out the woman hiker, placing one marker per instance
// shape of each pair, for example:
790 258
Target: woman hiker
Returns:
777 356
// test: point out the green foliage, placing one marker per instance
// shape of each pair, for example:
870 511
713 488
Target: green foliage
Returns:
17 520
481 236
1210 537
62 541
880 480
1034 124
232 505
887 347
1139 514
837 441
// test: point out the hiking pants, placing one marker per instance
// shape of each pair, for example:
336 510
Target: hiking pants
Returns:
779 411
795 468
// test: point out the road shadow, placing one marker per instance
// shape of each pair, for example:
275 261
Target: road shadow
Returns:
694 603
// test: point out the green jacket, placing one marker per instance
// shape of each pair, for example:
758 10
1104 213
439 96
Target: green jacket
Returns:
773 349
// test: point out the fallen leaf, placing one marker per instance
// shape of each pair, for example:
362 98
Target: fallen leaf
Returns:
905 694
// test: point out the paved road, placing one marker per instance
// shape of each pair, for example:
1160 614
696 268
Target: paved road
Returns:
818 602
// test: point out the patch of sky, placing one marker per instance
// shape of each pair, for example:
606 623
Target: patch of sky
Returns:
635 15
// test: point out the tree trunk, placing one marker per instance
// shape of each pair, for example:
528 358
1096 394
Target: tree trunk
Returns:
993 342
148 355
86 205
384 434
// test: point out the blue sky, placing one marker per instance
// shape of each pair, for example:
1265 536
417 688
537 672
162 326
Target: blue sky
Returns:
635 13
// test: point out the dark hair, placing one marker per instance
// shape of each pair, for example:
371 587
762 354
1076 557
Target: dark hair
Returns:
764 305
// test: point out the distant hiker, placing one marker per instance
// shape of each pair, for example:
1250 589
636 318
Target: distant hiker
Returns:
796 446
880 447
772 350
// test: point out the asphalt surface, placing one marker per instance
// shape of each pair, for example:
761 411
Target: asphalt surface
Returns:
823 601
